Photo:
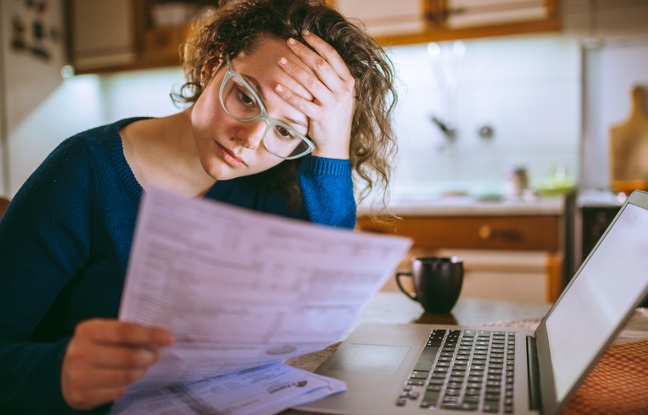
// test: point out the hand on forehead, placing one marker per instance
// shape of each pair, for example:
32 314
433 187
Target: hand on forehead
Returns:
291 83
268 52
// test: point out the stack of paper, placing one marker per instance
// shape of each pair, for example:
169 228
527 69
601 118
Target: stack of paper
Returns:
243 291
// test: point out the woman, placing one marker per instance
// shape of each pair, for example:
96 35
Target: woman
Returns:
286 99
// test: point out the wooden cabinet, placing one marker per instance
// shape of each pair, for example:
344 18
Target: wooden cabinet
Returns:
123 34
119 35
102 34
420 21
162 45
506 252
515 233
385 18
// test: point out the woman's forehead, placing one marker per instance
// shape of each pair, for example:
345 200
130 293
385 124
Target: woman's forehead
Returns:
269 50
262 64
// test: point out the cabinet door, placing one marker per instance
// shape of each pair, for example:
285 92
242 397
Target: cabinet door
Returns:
387 17
103 34
474 13
398 22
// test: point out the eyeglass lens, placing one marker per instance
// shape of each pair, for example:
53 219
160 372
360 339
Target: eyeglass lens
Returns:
243 105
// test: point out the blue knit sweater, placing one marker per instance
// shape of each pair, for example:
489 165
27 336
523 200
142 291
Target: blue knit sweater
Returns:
65 242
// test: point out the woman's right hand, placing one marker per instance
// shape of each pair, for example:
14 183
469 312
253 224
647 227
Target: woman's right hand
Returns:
104 357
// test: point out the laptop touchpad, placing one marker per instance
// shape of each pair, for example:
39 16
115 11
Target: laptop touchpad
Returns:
370 358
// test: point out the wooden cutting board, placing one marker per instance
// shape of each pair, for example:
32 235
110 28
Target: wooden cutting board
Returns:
629 148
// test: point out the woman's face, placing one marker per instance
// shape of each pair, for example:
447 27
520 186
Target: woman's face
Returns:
229 148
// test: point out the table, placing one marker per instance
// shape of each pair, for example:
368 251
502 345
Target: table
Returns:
394 307
618 376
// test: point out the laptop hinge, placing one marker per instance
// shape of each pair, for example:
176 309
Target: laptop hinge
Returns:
535 403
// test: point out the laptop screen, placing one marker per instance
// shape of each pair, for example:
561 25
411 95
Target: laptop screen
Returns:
612 280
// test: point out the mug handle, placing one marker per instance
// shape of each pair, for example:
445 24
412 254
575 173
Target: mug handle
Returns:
406 274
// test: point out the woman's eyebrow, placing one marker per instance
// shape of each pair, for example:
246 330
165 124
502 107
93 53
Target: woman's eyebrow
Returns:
257 86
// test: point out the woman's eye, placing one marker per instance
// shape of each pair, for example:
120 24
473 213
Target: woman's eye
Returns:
246 98
285 133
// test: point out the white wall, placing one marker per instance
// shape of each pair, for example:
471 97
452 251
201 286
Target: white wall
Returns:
74 106
27 77
140 93
614 68
613 37
526 88
83 102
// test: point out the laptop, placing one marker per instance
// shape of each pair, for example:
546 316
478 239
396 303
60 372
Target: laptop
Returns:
418 368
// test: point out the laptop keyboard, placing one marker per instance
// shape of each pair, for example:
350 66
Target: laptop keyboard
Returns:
464 370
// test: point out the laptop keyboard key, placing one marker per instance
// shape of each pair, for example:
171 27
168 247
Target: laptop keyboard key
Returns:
430 399
426 359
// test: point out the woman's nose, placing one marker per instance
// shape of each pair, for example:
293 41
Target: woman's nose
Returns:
250 134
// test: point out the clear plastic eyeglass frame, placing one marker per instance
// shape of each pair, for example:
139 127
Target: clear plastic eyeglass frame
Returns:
264 116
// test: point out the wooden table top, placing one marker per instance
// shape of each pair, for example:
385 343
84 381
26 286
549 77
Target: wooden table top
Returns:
395 307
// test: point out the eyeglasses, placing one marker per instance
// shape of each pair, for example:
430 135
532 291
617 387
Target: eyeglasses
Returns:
241 102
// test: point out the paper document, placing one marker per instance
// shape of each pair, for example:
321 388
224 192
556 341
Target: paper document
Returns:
267 389
242 289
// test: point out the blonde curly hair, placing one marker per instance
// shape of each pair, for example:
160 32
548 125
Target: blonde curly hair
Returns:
238 25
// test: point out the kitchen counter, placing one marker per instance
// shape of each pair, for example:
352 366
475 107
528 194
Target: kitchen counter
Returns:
588 198
425 205
496 230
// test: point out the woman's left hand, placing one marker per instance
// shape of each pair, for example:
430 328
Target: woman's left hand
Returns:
332 86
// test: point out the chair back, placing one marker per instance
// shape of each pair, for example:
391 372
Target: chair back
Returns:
4 203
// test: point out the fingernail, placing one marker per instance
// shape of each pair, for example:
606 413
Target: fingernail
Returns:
278 88
283 61
305 33
292 42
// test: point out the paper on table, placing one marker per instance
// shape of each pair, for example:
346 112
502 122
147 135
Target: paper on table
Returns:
240 288
267 389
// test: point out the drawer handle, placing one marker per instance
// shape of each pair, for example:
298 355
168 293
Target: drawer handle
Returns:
485 232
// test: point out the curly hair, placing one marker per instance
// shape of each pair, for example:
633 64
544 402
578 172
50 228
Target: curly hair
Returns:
238 26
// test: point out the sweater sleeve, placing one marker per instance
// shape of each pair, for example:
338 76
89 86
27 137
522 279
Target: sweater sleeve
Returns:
327 191
43 244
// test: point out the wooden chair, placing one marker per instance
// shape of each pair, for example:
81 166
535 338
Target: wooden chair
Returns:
4 203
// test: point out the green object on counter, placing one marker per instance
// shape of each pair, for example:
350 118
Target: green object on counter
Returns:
554 190
559 183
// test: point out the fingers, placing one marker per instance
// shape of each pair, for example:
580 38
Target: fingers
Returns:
85 389
85 401
292 84
325 76
322 82
113 331
92 377
326 57
106 378
311 83
104 357
322 72
101 356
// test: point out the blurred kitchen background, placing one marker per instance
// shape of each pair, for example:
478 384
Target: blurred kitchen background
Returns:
504 114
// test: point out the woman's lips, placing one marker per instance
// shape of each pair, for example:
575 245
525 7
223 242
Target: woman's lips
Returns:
229 157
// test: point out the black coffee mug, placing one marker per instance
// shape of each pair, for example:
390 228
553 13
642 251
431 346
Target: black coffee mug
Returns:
437 282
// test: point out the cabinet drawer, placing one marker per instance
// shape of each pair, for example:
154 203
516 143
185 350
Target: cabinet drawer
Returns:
537 233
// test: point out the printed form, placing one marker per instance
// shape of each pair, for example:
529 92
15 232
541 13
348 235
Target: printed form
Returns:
242 289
